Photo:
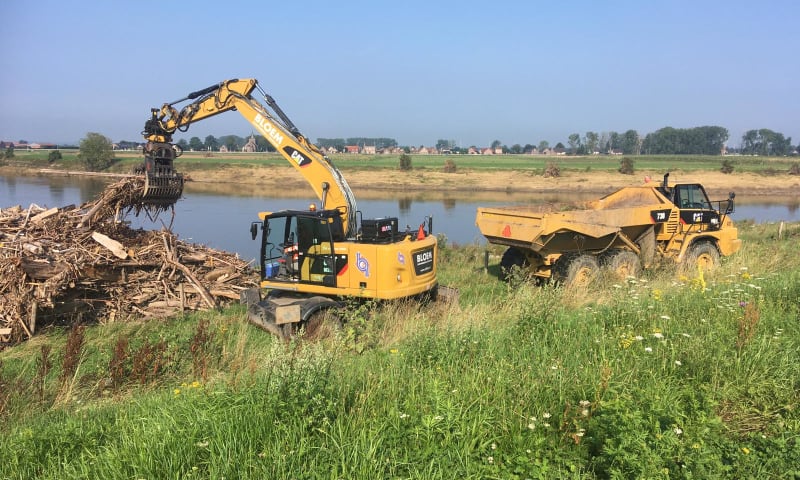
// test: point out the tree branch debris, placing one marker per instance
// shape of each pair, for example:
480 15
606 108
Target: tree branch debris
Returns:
67 264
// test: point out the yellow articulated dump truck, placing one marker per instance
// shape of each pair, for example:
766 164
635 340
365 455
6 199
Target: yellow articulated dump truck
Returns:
622 232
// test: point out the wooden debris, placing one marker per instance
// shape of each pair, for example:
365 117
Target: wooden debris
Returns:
62 264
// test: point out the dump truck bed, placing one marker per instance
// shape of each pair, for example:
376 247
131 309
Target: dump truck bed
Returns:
595 226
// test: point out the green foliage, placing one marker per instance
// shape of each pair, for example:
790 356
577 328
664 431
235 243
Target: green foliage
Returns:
707 140
405 162
626 166
96 152
449 166
9 153
664 376
727 166
794 169
54 156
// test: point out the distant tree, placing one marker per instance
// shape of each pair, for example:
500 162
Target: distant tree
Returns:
591 140
53 156
727 166
559 145
765 142
543 145
96 152
445 144
515 149
552 170
574 142
211 143
405 162
195 144
9 153
528 148
183 144
626 166
262 145
496 144
630 143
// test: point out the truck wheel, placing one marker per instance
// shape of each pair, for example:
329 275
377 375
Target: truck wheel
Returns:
622 263
703 255
512 257
575 269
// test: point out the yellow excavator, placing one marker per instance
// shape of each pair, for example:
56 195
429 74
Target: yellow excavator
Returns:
312 260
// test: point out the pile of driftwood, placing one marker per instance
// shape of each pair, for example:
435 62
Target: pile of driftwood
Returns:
61 265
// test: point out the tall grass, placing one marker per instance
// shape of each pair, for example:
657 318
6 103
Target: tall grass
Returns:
668 375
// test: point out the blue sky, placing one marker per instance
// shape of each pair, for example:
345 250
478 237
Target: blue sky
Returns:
417 71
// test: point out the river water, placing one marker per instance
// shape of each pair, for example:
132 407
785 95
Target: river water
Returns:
221 219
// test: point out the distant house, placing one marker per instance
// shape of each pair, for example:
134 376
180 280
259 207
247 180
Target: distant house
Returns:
223 149
424 151
352 149
473 151
330 150
368 149
615 151
487 151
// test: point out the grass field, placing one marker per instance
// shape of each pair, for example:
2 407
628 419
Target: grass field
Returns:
199 161
666 376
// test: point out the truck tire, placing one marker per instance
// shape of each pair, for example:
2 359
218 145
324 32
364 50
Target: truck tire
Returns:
703 255
512 257
622 263
576 269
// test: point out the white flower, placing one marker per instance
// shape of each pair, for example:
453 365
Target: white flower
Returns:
678 431
658 335
584 403
678 363
531 426
639 338
545 415
494 446
648 349
546 425
585 412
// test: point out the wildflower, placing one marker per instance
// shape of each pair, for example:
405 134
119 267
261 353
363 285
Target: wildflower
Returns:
657 295
393 351
531 426
202 444
490 460
664 317
494 446
639 338
678 431
545 415
177 391
584 403
746 450
742 304
678 363
746 276
648 349
658 335
686 335
585 412
195 384
403 416
581 432
546 425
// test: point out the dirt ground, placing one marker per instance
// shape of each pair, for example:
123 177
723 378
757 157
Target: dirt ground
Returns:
481 184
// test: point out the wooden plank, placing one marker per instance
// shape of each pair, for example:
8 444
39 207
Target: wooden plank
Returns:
112 245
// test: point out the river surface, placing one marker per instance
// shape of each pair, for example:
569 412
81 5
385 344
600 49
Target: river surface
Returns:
221 219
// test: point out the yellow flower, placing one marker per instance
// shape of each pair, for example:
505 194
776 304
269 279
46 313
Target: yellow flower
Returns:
746 450
177 391
393 351
657 295
746 276
195 384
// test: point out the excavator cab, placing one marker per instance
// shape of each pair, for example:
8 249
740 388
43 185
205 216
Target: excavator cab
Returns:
163 186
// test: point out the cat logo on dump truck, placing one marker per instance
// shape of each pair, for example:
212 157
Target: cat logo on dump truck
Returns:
423 261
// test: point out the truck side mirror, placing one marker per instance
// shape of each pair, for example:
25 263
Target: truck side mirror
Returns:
254 230
731 206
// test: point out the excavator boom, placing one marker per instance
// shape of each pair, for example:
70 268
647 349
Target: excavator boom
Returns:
270 121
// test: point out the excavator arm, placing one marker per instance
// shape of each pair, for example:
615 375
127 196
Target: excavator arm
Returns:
325 179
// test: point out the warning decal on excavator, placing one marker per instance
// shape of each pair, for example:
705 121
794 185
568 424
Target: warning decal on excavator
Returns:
298 157
507 231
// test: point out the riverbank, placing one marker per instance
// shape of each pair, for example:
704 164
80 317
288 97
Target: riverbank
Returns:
371 183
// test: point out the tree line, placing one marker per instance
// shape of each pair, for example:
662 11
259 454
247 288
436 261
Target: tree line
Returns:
705 140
